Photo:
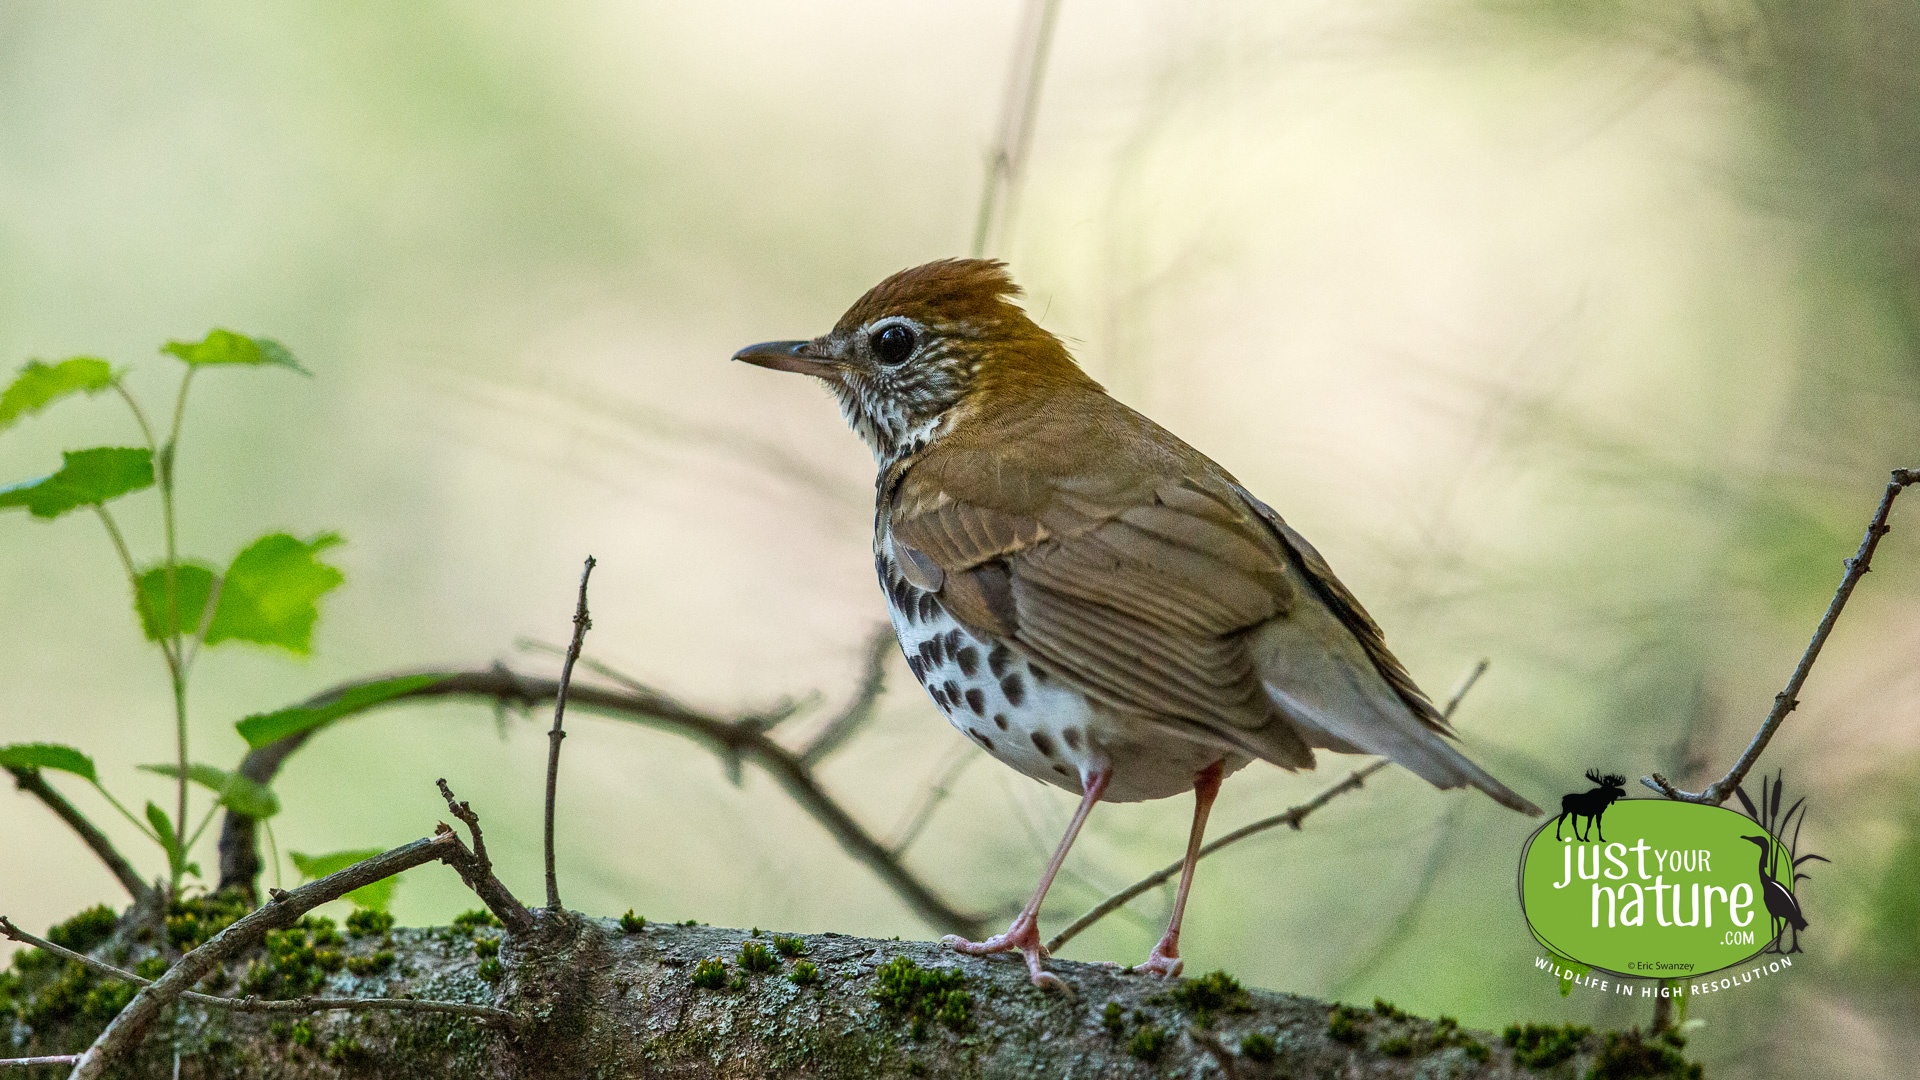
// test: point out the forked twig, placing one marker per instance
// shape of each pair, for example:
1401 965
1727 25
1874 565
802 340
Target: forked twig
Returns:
476 870
127 1029
1788 699
580 624
1292 818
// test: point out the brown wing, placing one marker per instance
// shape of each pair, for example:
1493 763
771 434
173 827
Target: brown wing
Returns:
1347 608
1137 593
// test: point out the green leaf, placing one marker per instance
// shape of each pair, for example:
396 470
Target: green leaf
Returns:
264 728
377 896
192 584
269 592
227 347
163 827
236 792
41 755
86 478
39 385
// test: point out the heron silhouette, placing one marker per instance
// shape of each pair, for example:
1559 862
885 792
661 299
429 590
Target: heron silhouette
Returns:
1779 899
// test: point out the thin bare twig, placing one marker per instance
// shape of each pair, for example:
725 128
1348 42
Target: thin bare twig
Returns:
477 871
126 1030
1292 818
239 856
31 782
580 624
873 683
54 1059
1788 699
263 1005
1022 102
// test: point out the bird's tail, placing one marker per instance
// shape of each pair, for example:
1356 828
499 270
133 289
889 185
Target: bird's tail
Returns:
1337 699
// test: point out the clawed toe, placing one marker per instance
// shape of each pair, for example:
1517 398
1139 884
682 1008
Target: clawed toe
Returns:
1159 962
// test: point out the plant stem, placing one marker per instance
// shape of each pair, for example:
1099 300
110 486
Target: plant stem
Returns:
175 669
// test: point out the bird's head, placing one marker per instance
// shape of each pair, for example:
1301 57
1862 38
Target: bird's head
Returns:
920 349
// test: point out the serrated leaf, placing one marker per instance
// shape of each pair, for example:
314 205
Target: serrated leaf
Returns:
86 478
377 896
236 792
192 584
269 594
264 728
49 756
39 385
227 347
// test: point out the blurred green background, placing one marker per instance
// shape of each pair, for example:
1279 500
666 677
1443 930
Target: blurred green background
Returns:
1578 336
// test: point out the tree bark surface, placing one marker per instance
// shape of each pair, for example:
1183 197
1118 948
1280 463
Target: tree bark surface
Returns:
596 1001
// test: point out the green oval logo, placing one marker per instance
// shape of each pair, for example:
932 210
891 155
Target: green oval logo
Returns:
1657 889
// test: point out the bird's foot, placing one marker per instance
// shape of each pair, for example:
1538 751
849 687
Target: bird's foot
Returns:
1023 935
1163 961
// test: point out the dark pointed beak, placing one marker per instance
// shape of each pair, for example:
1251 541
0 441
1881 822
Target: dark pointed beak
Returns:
787 356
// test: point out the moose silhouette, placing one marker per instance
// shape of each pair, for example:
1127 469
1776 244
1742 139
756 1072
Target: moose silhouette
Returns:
1590 805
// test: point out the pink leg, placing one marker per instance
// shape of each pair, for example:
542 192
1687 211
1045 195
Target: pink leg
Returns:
1024 933
1165 957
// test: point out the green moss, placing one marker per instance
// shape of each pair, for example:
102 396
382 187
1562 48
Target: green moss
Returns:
302 1034
1343 1025
1398 1046
84 931
1627 1056
1209 994
631 923
1540 1046
348 1052
923 995
1258 1047
710 974
366 923
1113 1018
1383 1007
789 947
192 921
490 969
755 959
469 921
484 947
805 973
371 965
152 967
1148 1043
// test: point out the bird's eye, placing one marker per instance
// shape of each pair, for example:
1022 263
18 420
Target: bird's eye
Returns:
893 345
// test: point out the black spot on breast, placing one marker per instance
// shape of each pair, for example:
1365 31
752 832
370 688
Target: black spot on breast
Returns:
981 739
938 695
929 607
1072 735
929 655
955 639
1039 673
1043 742
969 659
976 701
1000 721
953 693
919 671
998 659
1015 688
1062 770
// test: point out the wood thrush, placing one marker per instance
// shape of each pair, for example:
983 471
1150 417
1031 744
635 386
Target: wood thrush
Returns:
1091 600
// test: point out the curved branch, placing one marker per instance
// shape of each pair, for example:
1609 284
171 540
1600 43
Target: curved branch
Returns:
1788 699
728 737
